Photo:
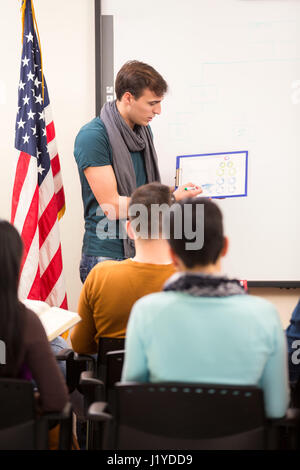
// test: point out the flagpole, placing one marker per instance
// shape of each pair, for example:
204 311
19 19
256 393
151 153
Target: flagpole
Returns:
38 35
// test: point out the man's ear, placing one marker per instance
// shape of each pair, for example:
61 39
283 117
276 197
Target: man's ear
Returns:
129 230
127 98
225 247
173 257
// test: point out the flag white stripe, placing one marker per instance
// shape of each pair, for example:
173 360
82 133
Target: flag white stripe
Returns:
48 114
46 192
49 248
26 194
52 149
57 182
30 268
58 292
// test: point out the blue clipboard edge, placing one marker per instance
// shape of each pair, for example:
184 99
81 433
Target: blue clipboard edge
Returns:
219 153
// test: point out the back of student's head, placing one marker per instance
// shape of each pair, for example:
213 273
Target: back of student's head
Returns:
146 210
11 249
196 231
135 77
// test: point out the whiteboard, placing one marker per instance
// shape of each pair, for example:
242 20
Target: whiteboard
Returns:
233 69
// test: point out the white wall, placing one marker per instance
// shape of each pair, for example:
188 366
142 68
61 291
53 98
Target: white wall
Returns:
67 38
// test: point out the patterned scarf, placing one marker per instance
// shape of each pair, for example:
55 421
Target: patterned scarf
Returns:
204 285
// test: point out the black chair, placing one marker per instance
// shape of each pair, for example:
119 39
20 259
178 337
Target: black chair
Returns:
106 345
83 394
190 416
20 427
113 373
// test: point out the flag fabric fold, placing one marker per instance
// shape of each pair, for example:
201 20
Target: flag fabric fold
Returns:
38 199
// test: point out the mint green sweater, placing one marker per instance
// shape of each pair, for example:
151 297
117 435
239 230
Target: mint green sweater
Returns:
172 336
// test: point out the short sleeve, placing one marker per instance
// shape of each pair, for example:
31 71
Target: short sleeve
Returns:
92 147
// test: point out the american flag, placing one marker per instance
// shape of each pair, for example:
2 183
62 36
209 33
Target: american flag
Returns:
38 197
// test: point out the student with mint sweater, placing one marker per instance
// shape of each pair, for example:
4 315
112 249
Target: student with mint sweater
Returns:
203 326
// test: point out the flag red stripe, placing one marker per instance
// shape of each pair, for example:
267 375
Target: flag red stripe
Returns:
50 131
60 199
55 165
64 303
21 171
47 220
34 293
51 274
30 224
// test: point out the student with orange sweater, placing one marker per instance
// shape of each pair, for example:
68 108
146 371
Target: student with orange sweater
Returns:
112 287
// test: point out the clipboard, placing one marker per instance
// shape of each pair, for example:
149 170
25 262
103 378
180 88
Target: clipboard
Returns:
220 175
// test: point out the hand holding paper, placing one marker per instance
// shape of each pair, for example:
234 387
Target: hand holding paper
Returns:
218 174
187 190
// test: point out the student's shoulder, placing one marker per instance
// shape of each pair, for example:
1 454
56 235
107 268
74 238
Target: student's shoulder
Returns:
157 301
262 309
106 268
33 327
258 302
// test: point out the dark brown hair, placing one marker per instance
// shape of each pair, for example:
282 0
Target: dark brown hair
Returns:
11 318
148 204
184 214
135 76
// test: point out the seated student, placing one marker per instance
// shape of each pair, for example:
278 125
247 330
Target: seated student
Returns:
293 339
27 351
203 327
112 287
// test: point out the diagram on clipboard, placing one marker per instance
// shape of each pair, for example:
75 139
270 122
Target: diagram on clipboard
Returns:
219 174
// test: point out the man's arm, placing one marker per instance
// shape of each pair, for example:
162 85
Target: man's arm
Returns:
103 183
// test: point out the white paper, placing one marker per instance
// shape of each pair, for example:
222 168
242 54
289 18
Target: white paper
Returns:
221 175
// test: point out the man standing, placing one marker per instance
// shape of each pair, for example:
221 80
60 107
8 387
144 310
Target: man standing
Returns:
115 154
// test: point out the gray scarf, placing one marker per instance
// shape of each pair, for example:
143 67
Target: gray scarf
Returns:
124 140
204 285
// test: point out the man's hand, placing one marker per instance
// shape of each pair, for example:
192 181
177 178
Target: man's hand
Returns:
186 191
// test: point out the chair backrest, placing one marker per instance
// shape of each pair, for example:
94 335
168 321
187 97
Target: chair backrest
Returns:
106 345
19 428
188 416
114 365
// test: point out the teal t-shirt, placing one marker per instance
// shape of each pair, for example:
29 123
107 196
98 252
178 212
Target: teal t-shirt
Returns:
92 148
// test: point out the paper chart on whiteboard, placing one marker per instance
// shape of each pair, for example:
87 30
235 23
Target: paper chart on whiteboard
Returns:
219 174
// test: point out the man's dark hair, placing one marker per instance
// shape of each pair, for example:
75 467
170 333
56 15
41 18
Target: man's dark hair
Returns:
135 76
144 205
185 218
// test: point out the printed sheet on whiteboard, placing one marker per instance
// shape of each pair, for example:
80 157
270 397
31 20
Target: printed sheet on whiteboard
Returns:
219 174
